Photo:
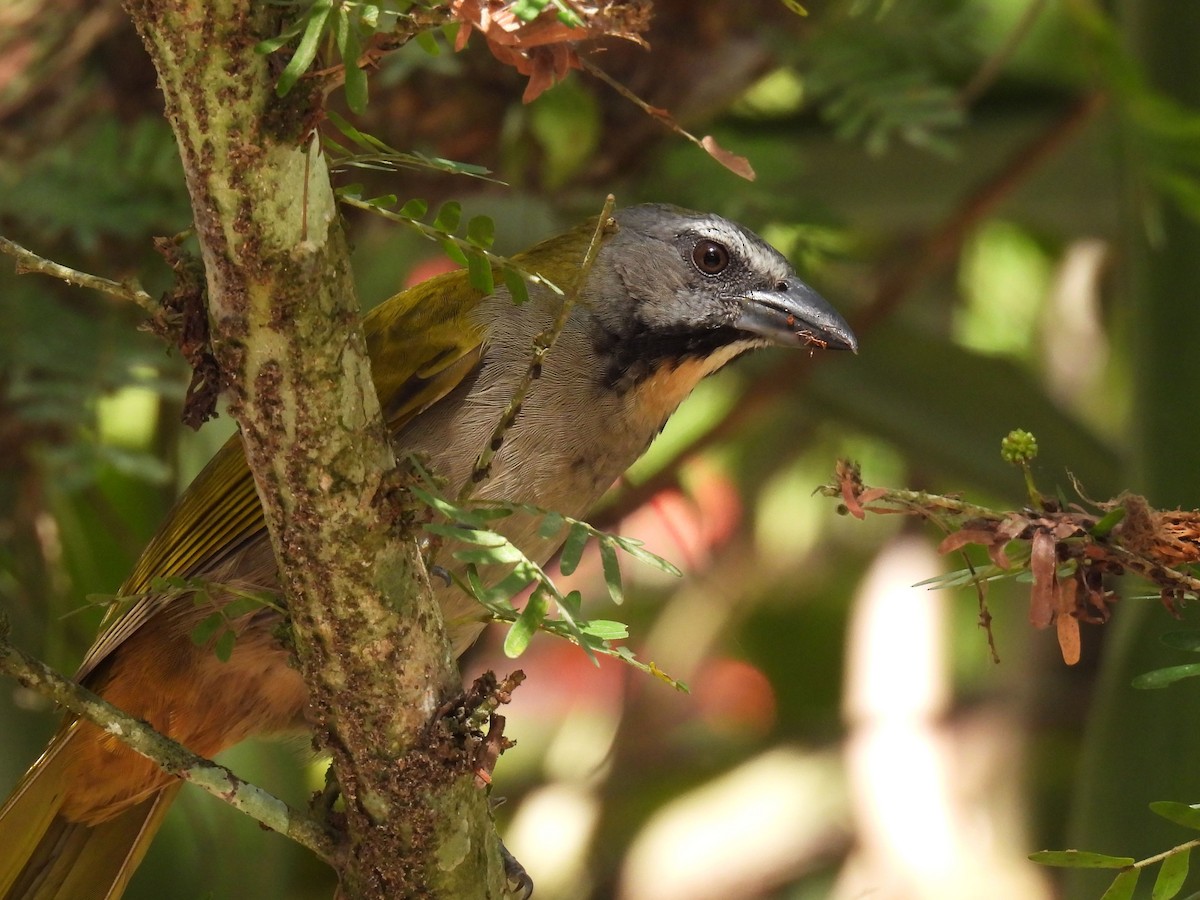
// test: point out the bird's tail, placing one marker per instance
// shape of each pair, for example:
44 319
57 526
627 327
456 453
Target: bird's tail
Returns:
45 857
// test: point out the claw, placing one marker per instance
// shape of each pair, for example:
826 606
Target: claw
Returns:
520 885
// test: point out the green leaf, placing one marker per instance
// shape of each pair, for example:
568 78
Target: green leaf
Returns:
448 217
568 611
204 630
440 504
501 593
1161 678
605 629
356 79
1179 813
527 10
612 571
453 251
527 623
476 536
634 548
414 208
479 273
241 606
427 42
571 604
962 577
1123 886
487 513
306 51
223 648
517 288
1080 859
1110 521
551 525
1171 875
572 549
500 554
348 130
270 45
481 231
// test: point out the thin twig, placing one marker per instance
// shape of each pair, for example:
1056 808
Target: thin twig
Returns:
172 757
739 165
994 64
1159 857
28 261
541 346
653 111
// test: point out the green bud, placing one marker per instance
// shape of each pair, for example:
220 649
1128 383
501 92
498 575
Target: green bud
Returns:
1018 447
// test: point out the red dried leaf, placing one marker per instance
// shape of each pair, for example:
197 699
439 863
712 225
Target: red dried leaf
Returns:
1064 530
1042 562
544 48
850 498
996 554
738 165
956 540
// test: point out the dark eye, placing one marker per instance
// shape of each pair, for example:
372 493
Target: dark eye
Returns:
710 257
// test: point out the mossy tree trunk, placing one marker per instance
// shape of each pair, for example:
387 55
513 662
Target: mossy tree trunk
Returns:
284 320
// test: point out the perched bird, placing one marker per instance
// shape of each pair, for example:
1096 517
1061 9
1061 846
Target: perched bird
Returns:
672 296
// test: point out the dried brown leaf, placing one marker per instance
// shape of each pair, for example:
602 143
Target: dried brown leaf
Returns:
738 165
997 555
1067 624
544 49
1042 562
1012 526
956 540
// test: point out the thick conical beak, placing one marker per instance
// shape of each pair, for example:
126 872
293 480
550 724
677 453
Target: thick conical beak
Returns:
797 316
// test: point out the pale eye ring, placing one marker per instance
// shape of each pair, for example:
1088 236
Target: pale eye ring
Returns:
710 257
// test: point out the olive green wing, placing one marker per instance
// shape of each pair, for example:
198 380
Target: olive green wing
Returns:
423 342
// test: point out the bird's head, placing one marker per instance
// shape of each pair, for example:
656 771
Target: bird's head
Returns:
673 286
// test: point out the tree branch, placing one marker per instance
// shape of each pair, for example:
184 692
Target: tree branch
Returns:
28 261
173 757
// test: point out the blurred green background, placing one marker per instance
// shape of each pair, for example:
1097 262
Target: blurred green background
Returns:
1002 197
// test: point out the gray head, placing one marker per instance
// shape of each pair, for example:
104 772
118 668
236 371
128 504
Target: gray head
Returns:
673 284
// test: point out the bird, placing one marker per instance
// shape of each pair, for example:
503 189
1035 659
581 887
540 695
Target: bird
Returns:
671 296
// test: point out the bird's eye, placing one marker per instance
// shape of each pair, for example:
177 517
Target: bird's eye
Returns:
710 257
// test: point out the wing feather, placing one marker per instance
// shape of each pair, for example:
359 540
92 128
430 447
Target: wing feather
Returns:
422 342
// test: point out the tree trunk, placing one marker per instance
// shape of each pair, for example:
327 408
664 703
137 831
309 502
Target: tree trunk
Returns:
284 319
